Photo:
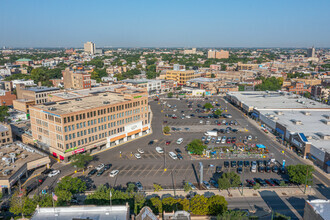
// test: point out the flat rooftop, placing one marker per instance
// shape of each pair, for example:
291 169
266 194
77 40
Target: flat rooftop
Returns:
89 102
321 207
21 153
82 212
41 89
311 124
4 127
204 80
276 100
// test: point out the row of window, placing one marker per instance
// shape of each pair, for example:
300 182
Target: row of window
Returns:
93 138
103 111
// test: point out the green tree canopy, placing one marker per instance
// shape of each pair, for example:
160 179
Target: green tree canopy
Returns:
218 112
297 173
271 84
81 160
208 105
3 113
166 129
196 147
71 184
228 180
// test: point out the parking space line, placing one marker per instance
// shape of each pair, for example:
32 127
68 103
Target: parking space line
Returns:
152 169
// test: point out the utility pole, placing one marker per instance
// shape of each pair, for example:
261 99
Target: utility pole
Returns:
306 180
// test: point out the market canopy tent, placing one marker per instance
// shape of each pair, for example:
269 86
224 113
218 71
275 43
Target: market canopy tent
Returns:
261 146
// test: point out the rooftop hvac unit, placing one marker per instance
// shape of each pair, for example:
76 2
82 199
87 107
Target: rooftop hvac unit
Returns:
106 102
52 109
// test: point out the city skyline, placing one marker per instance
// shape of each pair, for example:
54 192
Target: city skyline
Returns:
294 24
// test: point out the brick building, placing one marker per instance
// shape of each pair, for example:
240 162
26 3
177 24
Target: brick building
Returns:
76 78
6 98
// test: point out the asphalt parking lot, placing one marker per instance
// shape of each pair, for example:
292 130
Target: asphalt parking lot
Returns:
150 168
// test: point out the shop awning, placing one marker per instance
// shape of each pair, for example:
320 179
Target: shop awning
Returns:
261 146
255 115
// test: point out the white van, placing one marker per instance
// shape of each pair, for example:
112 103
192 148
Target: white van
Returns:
223 140
211 133
253 166
172 155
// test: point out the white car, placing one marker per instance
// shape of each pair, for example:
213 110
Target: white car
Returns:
54 173
249 137
201 121
208 138
172 155
159 150
187 116
218 140
138 156
113 173
174 110
179 141
99 167
141 151
223 140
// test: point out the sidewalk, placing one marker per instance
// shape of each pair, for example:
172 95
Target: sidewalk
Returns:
236 193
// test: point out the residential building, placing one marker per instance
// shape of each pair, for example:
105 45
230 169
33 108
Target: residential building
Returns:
153 86
25 82
182 76
39 94
247 66
6 85
17 160
6 134
97 121
298 88
311 52
89 47
320 92
317 209
23 61
214 54
76 78
192 51
120 212
6 98
23 105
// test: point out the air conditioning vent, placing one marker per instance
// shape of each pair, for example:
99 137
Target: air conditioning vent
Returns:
106 102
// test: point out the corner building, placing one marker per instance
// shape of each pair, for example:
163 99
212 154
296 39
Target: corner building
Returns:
89 124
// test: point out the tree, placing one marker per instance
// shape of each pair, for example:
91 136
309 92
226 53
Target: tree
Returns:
170 94
184 204
298 173
256 186
187 187
63 197
271 84
71 184
130 188
139 201
217 205
212 75
81 160
166 129
228 180
196 147
279 216
157 187
208 106
199 205
218 112
233 215
3 112
169 204
17 202
157 204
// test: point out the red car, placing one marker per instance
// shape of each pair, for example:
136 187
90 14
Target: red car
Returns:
174 117
269 182
233 141
228 140
167 142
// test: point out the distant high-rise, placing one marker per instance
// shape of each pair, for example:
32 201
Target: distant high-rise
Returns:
89 47
218 54
311 52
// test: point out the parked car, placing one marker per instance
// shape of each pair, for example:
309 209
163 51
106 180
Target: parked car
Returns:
269 182
179 156
233 164
214 183
191 185
218 169
275 169
282 170
268 169
203 138
178 150
107 166
226 164
159 150
246 163
151 142
168 142
207 185
141 151
92 172
172 155
139 186
101 171
240 163
54 173
276 181
113 173
179 141
100 166
137 156
249 137
261 169
251 182
239 170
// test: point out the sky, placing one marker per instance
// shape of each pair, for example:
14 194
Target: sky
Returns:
160 23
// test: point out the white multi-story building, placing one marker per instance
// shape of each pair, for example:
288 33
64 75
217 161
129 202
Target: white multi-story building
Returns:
89 47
